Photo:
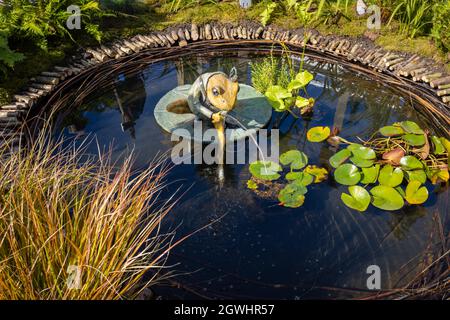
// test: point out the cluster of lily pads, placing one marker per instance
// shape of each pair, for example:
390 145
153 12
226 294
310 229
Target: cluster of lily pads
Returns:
293 186
398 160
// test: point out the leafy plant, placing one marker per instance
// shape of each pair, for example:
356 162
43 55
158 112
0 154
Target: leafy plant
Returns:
414 16
267 13
441 25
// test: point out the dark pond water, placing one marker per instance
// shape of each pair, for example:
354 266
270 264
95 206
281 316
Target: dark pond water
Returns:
258 249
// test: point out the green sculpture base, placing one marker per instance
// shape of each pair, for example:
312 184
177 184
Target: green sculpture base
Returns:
252 110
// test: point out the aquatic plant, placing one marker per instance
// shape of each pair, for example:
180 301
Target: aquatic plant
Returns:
291 190
73 230
398 156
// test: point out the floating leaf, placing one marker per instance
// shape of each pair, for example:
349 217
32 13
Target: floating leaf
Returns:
411 127
438 147
446 143
424 151
418 175
301 102
438 176
391 131
394 156
347 174
359 198
292 195
318 134
390 177
296 158
386 198
362 163
304 77
410 163
252 185
265 170
276 95
400 191
320 174
416 194
340 157
370 175
300 177
415 140
362 152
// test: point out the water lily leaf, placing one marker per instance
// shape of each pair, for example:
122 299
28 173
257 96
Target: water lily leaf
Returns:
416 194
418 175
359 198
370 175
362 152
438 147
265 170
390 177
415 140
391 131
294 85
362 163
304 77
446 143
303 178
394 156
292 195
410 163
424 151
438 176
411 127
276 95
296 158
400 191
301 102
318 134
320 174
386 198
252 185
347 174
340 157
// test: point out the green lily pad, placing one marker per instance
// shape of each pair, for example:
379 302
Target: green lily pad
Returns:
418 175
340 157
362 163
292 195
415 140
400 191
318 134
410 163
347 174
359 198
370 175
320 174
446 143
265 170
297 159
390 177
252 185
438 176
438 146
304 78
276 95
386 198
416 194
411 127
300 177
391 131
301 102
362 152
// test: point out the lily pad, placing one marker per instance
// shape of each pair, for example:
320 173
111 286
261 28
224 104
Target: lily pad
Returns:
391 131
386 198
438 147
265 170
301 102
411 127
359 198
416 194
320 174
276 95
390 177
296 158
292 195
415 140
300 177
318 134
418 175
252 185
347 174
304 78
446 143
340 157
438 176
410 163
362 152
370 175
362 163
394 156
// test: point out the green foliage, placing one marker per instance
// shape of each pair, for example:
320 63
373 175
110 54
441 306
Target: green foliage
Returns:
318 134
7 57
272 71
414 16
359 198
441 25
177 5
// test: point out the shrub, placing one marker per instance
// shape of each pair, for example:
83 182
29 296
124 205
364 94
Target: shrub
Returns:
441 25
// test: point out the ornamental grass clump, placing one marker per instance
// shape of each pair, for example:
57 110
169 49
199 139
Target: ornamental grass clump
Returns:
72 229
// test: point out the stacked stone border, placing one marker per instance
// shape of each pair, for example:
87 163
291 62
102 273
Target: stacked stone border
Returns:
424 73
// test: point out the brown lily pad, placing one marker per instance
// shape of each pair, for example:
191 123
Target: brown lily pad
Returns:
394 156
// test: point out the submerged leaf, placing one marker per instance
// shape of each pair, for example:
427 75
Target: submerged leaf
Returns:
438 147
415 140
340 157
411 127
390 177
320 174
359 198
370 175
391 131
415 194
347 174
265 170
410 163
300 177
318 134
386 198
296 158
